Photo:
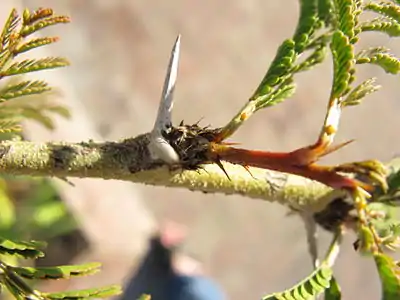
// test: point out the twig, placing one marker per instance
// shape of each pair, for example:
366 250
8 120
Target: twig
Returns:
334 249
130 160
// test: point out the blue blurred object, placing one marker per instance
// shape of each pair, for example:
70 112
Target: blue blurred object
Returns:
157 277
194 288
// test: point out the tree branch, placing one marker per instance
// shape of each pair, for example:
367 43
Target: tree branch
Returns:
130 160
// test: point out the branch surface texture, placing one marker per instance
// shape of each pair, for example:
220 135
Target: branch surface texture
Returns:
130 160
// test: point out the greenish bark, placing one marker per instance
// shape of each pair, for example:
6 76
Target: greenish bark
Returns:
130 160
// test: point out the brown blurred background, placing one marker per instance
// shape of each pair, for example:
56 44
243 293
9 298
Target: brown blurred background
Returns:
119 50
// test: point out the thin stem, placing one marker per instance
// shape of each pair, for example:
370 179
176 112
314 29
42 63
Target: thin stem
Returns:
243 115
13 279
334 249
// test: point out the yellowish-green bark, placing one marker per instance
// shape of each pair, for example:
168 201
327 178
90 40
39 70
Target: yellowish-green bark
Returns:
130 160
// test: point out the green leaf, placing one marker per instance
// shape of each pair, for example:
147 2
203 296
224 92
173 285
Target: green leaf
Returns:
13 290
387 9
53 20
343 64
8 28
279 68
39 114
389 274
333 292
309 288
393 181
16 285
33 65
390 236
381 57
35 43
7 209
85 294
31 249
49 213
9 125
306 25
23 88
316 57
326 12
385 25
318 281
359 92
29 17
322 40
59 272
347 16
385 221
366 240
34 107
279 95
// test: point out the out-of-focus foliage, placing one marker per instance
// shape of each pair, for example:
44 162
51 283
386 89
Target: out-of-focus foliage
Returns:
16 39
30 208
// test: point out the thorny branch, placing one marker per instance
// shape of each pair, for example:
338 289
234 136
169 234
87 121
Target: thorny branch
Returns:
174 156
130 160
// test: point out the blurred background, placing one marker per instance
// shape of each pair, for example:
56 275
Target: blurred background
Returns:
119 51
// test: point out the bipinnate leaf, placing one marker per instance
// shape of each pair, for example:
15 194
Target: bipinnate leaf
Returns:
285 91
31 249
307 24
356 96
317 56
103 292
318 281
23 88
38 107
385 8
309 288
389 273
27 30
347 16
10 125
40 114
35 43
393 180
343 64
333 292
382 24
280 67
59 272
13 41
325 12
15 292
33 65
381 57
8 28
29 18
